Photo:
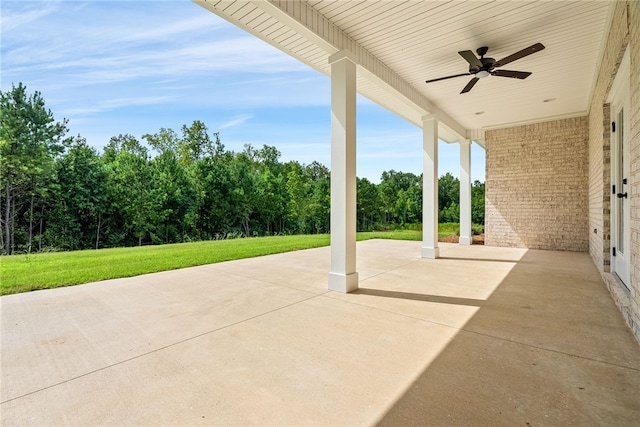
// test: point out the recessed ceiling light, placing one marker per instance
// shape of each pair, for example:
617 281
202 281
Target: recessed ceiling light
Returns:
549 100
479 113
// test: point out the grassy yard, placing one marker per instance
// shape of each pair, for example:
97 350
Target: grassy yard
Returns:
23 273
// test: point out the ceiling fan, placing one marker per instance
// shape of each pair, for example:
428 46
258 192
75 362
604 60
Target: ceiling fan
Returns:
483 67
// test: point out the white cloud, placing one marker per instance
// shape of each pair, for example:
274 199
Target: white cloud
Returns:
28 12
112 104
166 31
389 143
87 56
235 121
106 42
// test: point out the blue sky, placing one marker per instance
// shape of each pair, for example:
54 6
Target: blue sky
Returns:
118 67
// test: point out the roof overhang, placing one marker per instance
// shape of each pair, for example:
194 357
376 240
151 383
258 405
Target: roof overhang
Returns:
397 45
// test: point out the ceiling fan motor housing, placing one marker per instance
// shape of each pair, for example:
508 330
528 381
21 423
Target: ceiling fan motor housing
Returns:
488 64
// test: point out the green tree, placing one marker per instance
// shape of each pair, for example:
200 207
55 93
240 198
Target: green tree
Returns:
260 193
197 144
477 203
173 179
245 193
271 191
401 197
298 187
30 139
213 186
368 204
165 141
451 213
133 198
320 198
81 199
177 196
448 191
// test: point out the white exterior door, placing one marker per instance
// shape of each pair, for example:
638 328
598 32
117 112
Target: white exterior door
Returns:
620 172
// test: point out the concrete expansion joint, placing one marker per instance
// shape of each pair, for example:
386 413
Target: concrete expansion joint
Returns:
280 285
330 294
159 349
550 350
393 269
431 322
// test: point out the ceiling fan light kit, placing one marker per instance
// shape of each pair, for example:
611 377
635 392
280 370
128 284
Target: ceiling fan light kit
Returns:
483 67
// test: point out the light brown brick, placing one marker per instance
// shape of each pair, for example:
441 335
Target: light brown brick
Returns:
537 185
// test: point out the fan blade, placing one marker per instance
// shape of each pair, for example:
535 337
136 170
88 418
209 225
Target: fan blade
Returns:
521 54
513 74
470 85
445 78
471 58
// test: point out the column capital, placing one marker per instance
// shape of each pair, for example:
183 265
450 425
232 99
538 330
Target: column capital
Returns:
475 134
429 117
341 55
464 141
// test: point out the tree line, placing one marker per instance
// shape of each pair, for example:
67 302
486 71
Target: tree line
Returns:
59 193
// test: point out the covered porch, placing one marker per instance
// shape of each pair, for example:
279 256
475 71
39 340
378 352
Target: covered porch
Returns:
481 336
559 176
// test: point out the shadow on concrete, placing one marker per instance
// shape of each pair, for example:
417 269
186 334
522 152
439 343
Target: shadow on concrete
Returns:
453 258
548 347
420 297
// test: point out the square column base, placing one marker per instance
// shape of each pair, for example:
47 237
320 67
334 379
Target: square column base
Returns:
343 282
432 253
465 240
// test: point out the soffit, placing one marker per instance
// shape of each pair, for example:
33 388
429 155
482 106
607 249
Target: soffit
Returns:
403 43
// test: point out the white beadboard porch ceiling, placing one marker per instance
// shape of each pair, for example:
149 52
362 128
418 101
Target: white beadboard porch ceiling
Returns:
400 44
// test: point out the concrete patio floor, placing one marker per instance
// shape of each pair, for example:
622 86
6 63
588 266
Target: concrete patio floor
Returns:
482 336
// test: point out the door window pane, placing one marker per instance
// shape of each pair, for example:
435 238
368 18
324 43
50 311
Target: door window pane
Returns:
619 184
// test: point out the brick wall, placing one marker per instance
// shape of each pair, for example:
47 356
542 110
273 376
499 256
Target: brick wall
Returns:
634 17
536 186
600 144
548 184
624 32
634 48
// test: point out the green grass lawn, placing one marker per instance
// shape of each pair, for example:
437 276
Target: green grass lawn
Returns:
23 273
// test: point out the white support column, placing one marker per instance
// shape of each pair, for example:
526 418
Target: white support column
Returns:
343 276
430 187
465 192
